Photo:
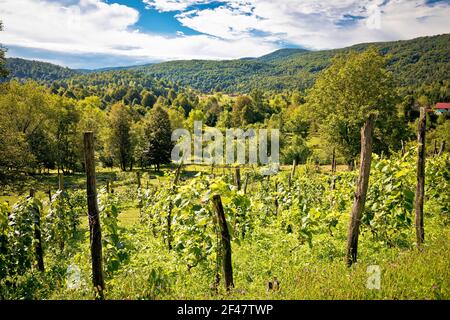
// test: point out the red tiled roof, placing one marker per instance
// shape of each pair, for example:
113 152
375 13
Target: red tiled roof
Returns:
443 105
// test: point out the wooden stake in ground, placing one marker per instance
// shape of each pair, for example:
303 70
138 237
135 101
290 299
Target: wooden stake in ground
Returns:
442 148
138 176
226 245
361 190
420 190
291 176
237 178
333 170
247 177
37 237
178 173
61 181
93 214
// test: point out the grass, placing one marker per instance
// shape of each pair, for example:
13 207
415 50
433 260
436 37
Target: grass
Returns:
151 271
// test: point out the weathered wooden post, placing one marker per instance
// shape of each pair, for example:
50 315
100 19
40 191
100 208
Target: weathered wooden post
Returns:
291 176
93 214
169 225
333 170
442 148
226 245
237 178
247 177
49 192
403 148
420 190
361 190
37 236
435 151
177 173
138 176
61 181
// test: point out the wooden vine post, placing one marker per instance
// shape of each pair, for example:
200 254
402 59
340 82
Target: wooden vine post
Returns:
61 181
37 236
291 176
93 214
247 177
138 176
237 178
178 173
442 148
333 169
225 241
361 190
420 190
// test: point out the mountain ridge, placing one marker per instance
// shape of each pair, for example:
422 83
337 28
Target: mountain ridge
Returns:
420 60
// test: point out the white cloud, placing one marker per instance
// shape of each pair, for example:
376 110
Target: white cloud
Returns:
93 26
173 5
238 28
319 25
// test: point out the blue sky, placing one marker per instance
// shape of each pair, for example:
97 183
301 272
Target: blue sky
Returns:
101 33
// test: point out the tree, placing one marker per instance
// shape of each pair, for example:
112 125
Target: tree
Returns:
351 93
3 71
243 111
119 139
176 116
183 101
344 96
148 99
158 134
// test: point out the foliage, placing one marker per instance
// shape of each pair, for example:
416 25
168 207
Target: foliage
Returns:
114 251
119 138
158 134
345 94
62 219
20 238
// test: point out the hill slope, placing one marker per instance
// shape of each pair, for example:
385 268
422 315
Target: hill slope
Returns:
413 62
37 70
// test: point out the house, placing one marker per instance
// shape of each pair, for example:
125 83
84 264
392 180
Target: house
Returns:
442 107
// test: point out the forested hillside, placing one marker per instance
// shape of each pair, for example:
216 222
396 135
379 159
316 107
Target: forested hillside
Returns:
413 62
37 70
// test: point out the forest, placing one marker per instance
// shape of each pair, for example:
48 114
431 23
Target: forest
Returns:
362 184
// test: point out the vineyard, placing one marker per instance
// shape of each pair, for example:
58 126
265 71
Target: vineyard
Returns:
162 234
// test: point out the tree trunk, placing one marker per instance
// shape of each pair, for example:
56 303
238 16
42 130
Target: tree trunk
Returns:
351 165
420 191
226 246
93 214
361 190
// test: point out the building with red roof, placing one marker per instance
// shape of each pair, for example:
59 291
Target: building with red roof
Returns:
442 107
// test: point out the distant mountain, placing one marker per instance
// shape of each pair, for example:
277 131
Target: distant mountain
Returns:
281 54
37 70
413 62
